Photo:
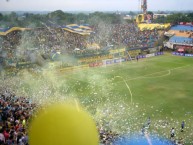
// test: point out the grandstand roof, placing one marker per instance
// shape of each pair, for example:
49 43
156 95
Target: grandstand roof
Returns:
182 28
5 31
79 29
74 28
176 39
181 31
152 26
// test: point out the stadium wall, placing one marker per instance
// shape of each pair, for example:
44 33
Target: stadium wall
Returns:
182 54
108 62
74 68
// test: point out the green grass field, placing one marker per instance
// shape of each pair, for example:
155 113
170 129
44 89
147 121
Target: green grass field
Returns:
121 97
125 95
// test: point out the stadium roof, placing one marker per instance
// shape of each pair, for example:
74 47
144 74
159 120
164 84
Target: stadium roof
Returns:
144 26
182 28
176 39
5 31
79 29
74 28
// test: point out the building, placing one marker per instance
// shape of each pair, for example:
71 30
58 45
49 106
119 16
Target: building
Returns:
180 37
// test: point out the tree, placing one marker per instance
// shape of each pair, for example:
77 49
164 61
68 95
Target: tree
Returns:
108 18
61 18
190 16
160 19
151 14
176 18
81 18
1 16
132 13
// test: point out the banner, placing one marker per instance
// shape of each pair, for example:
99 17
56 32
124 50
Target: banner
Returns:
95 64
118 60
158 53
150 55
110 61
154 54
113 61
141 56
186 23
178 54
182 54
189 55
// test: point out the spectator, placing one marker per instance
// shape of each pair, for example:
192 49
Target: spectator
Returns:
172 133
2 138
148 122
182 126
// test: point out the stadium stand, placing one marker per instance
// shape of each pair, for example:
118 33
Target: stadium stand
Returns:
77 40
5 31
181 35
80 29
74 28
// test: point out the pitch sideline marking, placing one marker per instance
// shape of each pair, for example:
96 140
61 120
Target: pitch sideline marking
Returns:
169 72
144 76
127 88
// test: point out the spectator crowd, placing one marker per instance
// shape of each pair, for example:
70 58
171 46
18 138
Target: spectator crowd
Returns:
17 45
15 113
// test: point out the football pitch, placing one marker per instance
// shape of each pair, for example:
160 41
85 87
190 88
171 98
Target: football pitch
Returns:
121 97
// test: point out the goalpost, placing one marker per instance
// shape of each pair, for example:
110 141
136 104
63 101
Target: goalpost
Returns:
104 63
129 56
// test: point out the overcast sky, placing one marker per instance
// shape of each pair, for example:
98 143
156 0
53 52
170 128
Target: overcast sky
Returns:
93 5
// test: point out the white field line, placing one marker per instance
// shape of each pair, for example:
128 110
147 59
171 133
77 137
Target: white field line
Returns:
130 88
127 88
139 77
169 72
124 80
148 139
146 76
126 63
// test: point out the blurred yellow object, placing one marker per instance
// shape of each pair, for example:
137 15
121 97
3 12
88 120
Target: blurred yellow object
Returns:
63 124
152 26
140 18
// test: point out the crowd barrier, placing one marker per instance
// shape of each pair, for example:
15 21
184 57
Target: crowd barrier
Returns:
110 57
113 61
95 64
150 55
182 54
95 58
119 60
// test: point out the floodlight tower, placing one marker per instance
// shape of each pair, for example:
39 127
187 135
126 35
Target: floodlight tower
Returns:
142 18
144 8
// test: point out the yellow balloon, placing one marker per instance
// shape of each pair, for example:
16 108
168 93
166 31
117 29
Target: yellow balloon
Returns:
63 124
